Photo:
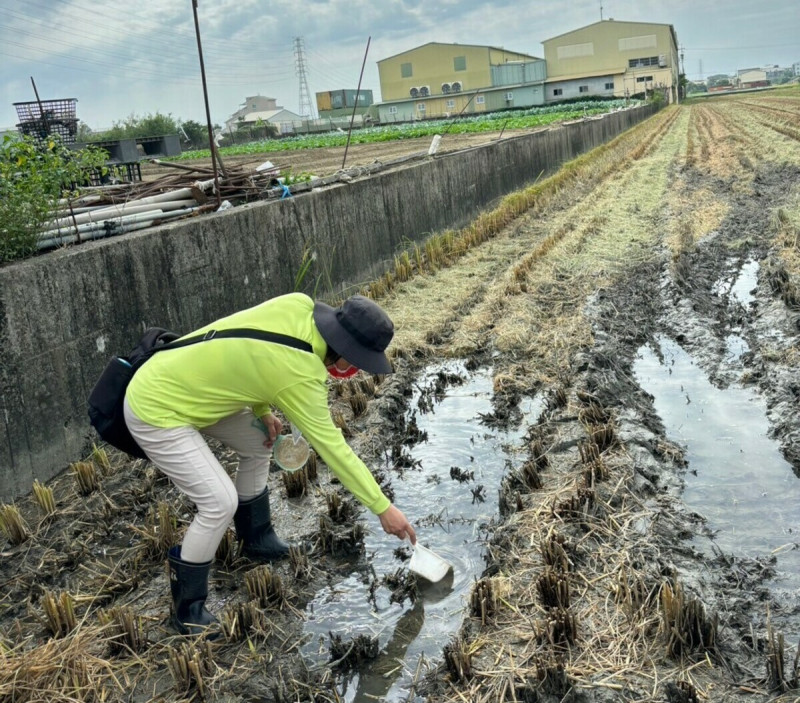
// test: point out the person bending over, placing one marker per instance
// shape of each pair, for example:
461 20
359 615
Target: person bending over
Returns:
226 389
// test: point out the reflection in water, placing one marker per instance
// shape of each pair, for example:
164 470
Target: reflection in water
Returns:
737 477
742 289
449 519
375 682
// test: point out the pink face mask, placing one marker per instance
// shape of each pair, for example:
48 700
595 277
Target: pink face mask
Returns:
336 372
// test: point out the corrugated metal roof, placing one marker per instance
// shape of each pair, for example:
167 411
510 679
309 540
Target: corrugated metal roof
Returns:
475 46
578 29
268 115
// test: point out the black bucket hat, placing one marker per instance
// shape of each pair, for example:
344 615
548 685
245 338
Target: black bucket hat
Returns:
359 330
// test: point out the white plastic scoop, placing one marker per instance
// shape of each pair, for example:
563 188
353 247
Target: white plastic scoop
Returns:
428 564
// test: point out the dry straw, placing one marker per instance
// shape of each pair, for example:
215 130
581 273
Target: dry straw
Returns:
226 550
12 525
266 586
684 624
61 670
100 458
44 497
125 629
59 613
245 620
192 666
86 477
160 531
295 483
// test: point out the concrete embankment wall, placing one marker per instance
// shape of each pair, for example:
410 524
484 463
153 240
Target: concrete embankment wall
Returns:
63 314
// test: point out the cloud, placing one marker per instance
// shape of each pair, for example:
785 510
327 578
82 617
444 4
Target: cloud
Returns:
133 58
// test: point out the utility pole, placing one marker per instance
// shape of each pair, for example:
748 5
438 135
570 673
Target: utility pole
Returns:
211 144
601 11
306 109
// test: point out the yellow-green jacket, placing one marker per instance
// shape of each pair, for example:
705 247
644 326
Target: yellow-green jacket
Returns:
202 383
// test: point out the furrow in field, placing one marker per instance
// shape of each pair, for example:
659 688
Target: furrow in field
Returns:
448 293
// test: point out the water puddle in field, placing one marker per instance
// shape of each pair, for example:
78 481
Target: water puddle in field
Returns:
740 293
746 282
449 516
740 289
736 476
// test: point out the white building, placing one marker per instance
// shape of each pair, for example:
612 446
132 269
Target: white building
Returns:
258 109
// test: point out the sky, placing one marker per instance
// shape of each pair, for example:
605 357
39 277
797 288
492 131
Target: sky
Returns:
140 57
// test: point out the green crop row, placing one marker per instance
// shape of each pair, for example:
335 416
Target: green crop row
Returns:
489 122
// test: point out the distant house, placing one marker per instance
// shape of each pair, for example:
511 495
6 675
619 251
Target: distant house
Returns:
257 109
752 78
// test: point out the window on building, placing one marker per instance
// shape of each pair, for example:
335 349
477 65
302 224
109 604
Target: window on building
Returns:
460 63
583 88
420 107
393 110
638 63
480 100
558 91
405 70
451 104
644 79
609 86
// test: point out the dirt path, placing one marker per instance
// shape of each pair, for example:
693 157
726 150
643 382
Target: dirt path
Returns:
601 584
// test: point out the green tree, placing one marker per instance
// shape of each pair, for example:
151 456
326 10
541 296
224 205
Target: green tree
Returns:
196 133
84 133
151 125
32 179
718 80
682 85
696 87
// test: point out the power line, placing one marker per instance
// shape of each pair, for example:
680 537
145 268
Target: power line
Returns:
122 21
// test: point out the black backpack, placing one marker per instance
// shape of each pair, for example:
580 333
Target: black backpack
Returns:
108 394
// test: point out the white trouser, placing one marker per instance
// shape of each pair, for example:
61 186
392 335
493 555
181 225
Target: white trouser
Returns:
185 458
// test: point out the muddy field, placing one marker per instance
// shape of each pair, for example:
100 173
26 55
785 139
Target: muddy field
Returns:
325 162
594 417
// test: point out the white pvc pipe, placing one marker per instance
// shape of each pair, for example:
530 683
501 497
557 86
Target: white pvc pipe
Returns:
134 222
180 195
102 224
98 215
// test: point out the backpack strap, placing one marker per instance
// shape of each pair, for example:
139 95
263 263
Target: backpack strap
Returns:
246 333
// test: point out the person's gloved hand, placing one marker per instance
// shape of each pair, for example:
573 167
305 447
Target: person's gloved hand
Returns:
273 426
395 523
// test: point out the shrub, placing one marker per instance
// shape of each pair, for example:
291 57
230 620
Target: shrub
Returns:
32 179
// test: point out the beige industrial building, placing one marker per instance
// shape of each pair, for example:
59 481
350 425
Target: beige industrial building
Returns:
442 80
613 59
751 78
604 59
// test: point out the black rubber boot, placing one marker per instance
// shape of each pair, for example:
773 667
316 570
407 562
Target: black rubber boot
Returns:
189 585
254 529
